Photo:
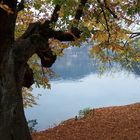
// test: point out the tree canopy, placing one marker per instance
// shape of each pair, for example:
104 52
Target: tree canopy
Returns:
112 25
33 33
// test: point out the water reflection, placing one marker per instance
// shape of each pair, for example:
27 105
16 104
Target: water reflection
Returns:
80 87
75 64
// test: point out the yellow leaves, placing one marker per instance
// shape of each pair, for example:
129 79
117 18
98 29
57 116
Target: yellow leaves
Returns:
117 1
121 35
45 80
132 53
99 53
24 18
28 98
112 38
6 8
61 12
100 36
57 46
35 66
92 24
106 52
89 24
105 59
115 47
40 74
95 50
137 57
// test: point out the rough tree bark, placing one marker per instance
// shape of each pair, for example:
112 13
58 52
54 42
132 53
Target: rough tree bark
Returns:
13 124
14 71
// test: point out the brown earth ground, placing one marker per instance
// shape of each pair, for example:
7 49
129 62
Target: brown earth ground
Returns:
109 123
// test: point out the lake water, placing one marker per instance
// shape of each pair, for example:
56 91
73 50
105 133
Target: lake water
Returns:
79 86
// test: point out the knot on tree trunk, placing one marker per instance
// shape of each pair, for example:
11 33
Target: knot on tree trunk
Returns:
28 79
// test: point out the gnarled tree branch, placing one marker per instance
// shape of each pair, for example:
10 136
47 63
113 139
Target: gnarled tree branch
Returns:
35 39
43 30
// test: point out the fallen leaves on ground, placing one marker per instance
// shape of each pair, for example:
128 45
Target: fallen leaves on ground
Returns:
109 123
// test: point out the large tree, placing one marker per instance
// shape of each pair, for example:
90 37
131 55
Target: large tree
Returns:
104 21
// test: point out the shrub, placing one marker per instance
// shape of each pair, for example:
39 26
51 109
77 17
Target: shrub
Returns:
83 113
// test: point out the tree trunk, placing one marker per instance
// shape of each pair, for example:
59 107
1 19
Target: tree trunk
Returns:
13 125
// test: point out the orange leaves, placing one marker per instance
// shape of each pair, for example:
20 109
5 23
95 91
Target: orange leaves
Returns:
95 50
115 47
45 81
110 44
116 34
120 34
107 52
35 66
100 36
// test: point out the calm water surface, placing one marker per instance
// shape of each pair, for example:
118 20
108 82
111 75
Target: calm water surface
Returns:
79 86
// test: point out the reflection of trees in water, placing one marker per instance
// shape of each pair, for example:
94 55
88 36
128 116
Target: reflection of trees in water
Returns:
75 64
136 69
135 65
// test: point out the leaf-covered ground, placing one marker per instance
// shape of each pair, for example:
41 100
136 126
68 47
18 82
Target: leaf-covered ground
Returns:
110 123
